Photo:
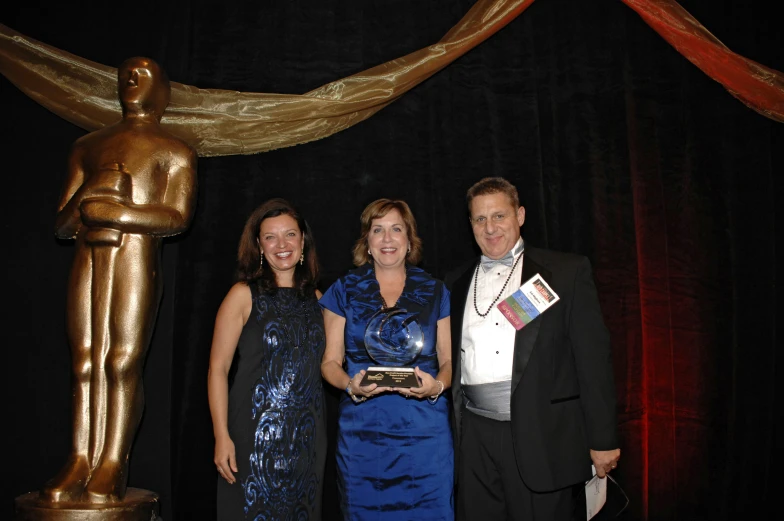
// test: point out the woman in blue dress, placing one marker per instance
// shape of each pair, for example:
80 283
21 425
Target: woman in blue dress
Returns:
394 447
270 435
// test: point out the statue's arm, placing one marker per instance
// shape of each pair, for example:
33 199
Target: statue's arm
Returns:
169 217
68 219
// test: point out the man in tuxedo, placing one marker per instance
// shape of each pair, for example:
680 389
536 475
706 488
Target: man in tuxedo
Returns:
535 407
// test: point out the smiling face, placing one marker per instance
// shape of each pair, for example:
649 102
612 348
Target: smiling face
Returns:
282 242
496 223
388 240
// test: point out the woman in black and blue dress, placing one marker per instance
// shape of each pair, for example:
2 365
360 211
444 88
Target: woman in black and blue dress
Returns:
394 448
270 438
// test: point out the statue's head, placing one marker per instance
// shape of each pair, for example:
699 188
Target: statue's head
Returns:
144 87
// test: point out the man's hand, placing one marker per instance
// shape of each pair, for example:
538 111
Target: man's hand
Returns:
605 460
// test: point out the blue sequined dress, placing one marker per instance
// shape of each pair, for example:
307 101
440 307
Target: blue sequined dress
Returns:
276 412
394 455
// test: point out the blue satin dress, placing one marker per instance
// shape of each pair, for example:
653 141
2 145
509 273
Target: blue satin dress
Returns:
394 455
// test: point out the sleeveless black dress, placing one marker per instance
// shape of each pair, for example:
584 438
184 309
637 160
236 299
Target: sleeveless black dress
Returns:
276 412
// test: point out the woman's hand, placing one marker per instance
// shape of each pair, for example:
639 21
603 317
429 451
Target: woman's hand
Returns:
225 459
367 391
428 386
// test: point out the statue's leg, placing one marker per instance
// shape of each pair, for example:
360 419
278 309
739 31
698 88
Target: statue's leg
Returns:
135 296
103 257
69 483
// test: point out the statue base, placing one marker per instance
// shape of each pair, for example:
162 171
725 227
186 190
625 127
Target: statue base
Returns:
138 505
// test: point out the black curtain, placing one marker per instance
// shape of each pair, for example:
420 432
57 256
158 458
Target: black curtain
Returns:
622 151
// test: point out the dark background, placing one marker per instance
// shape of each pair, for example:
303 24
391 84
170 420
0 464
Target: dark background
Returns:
622 150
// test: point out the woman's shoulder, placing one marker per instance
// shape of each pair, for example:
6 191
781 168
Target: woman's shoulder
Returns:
355 282
238 301
355 276
421 276
239 291
422 287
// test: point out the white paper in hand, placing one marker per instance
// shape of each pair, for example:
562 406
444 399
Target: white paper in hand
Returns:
595 494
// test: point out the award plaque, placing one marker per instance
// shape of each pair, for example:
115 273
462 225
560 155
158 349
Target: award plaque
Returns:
393 339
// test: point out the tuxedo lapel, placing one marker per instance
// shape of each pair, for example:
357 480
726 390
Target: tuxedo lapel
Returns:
525 339
458 303
459 298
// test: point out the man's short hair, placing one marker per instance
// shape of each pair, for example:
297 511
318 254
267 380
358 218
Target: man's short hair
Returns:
493 185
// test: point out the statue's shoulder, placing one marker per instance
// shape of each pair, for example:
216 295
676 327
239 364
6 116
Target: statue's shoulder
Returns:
177 144
96 135
90 141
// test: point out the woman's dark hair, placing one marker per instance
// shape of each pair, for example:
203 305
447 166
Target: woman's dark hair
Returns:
249 269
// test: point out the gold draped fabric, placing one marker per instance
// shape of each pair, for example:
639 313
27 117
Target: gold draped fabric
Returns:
220 122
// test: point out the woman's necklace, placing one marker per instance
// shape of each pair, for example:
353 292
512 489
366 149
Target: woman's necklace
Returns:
476 276
383 300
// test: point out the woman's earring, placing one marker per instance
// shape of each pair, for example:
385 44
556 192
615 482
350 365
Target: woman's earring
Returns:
302 259
261 259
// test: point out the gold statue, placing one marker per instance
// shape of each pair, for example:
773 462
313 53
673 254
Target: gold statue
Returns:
129 184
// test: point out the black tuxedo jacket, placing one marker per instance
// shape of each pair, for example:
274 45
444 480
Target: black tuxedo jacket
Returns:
563 393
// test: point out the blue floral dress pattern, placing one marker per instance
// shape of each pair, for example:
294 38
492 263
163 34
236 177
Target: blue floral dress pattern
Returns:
394 455
276 412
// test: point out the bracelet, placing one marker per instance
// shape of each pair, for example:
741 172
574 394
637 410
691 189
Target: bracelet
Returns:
434 399
354 397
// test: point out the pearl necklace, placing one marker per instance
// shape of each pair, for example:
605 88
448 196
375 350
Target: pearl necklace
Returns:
476 277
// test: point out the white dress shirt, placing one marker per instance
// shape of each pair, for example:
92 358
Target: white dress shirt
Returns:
487 347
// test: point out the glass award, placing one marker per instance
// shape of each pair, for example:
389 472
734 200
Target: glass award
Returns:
393 339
